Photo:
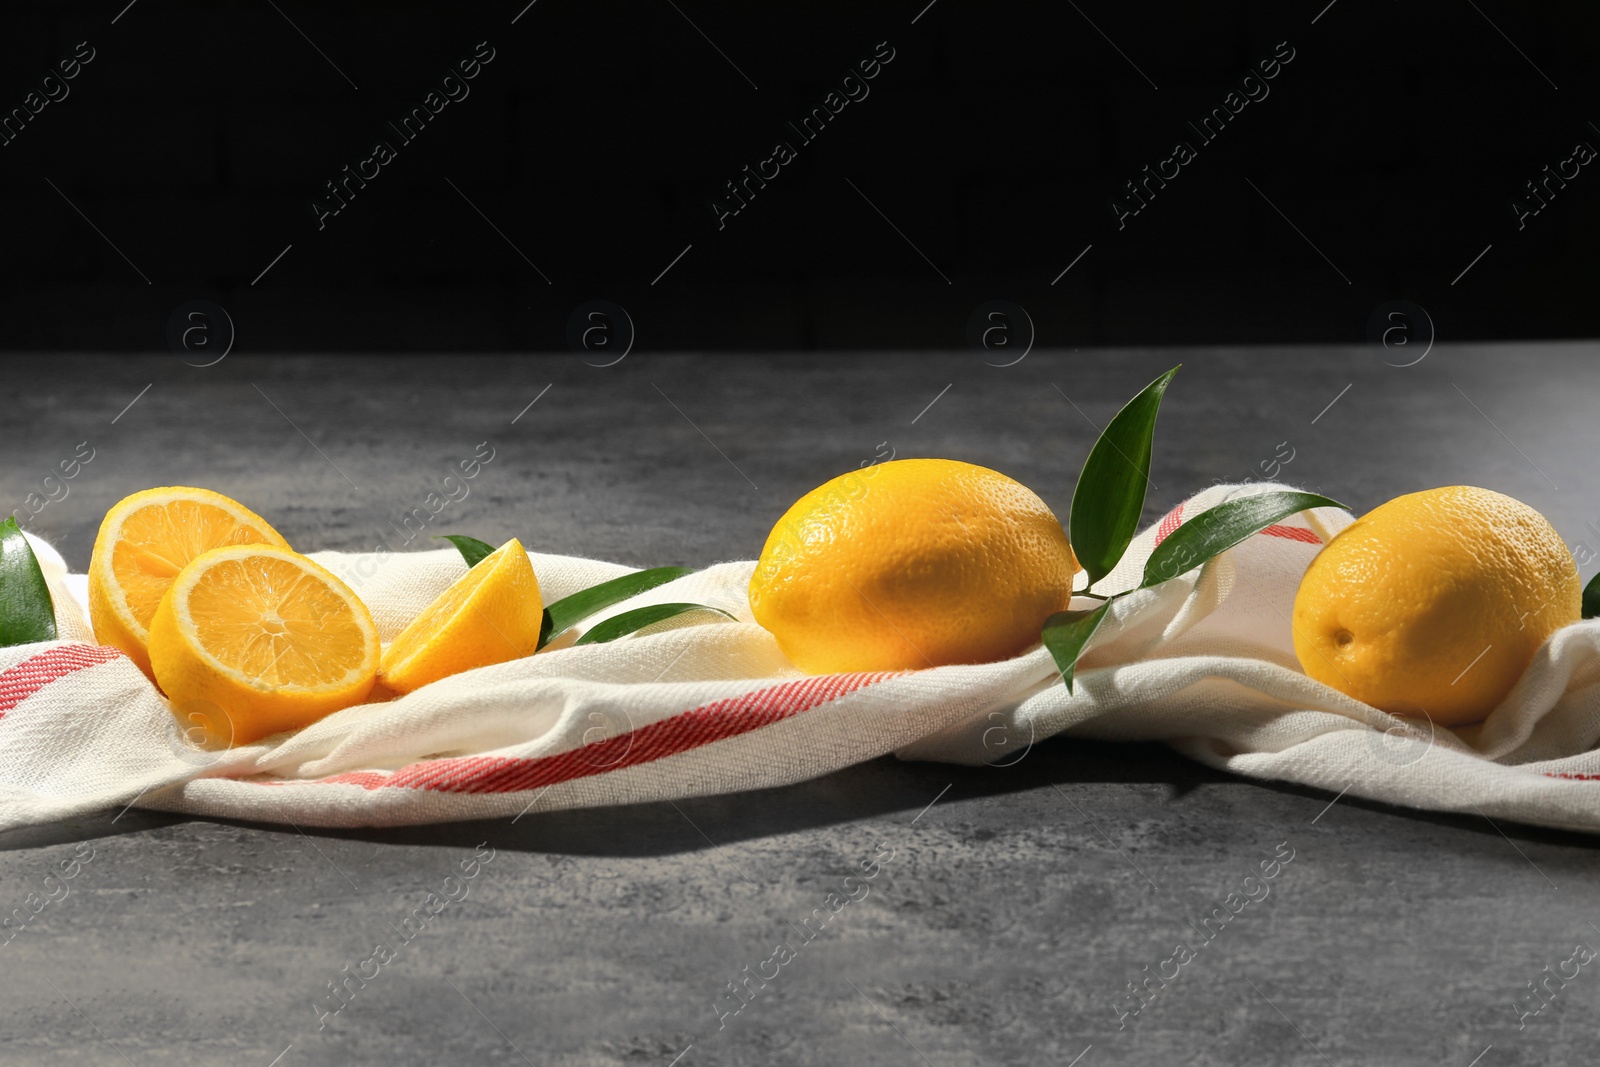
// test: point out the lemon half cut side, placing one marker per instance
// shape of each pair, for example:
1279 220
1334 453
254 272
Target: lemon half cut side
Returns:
272 639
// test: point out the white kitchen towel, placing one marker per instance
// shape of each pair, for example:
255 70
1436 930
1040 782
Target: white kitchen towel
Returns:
700 705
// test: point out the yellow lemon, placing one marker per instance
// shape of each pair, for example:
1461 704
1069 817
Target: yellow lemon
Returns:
489 615
252 640
1435 603
911 563
144 541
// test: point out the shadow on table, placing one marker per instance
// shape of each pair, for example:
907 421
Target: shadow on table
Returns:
881 787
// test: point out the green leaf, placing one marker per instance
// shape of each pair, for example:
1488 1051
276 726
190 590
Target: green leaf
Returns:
637 619
1220 528
472 549
1110 495
1591 598
564 613
1067 632
27 614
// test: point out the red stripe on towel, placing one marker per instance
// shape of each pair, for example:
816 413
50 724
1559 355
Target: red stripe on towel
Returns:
1293 533
1170 522
34 673
687 730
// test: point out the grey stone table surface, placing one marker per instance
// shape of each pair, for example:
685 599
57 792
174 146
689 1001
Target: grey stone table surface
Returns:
1017 902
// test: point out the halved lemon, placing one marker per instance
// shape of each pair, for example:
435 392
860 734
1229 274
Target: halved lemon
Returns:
253 640
489 615
144 541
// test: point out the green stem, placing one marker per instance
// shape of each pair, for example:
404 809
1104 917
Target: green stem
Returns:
1093 596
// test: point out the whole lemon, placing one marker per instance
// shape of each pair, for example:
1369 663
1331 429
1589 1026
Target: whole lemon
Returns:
911 563
1435 603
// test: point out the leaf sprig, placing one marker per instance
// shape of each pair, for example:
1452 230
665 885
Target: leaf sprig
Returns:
638 619
1591 598
1107 505
27 614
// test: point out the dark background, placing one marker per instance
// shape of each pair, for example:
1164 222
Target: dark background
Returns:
196 139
